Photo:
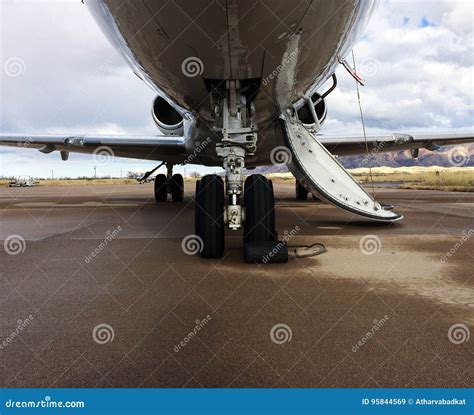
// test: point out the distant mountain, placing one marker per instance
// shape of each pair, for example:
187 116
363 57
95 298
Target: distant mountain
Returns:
461 156
444 157
267 170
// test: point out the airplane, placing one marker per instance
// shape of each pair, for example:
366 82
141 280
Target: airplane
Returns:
239 84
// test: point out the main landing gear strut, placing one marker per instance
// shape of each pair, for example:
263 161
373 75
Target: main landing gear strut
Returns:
167 184
249 206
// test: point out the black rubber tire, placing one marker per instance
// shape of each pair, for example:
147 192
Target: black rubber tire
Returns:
301 192
161 191
259 206
177 188
210 215
271 201
197 223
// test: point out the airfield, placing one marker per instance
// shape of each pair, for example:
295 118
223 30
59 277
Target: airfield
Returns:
106 297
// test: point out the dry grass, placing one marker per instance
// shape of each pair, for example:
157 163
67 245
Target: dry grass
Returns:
280 177
78 182
87 182
429 178
433 178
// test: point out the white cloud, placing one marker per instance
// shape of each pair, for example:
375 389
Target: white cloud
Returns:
420 78
74 81
72 78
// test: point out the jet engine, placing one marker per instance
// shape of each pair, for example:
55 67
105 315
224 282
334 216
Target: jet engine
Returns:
167 118
305 114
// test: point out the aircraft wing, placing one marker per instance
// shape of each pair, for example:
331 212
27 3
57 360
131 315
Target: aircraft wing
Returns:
163 148
348 145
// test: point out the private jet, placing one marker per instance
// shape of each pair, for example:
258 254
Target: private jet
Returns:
239 84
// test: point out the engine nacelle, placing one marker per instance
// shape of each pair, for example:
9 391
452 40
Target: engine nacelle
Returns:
304 113
168 120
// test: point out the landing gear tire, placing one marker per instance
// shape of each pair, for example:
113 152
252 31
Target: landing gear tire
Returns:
161 192
259 205
209 215
301 192
197 229
176 185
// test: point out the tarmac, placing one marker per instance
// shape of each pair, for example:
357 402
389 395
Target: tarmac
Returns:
97 290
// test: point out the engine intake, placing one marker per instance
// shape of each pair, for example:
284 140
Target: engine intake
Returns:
168 119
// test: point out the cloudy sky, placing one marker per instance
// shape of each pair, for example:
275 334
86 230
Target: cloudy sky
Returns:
417 58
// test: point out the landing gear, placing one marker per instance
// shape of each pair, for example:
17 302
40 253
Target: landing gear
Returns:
161 191
169 183
251 207
209 215
301 191
176 185
260 210
239 139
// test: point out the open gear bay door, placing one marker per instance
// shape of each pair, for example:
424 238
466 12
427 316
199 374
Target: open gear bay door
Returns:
319 171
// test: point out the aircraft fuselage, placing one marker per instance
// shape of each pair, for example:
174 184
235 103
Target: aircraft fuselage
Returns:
178 47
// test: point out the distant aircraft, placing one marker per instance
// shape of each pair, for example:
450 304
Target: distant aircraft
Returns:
238 84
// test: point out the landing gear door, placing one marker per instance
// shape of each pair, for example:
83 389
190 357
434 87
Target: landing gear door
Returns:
318 170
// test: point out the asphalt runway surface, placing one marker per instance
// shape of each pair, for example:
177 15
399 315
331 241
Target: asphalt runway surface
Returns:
96 291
